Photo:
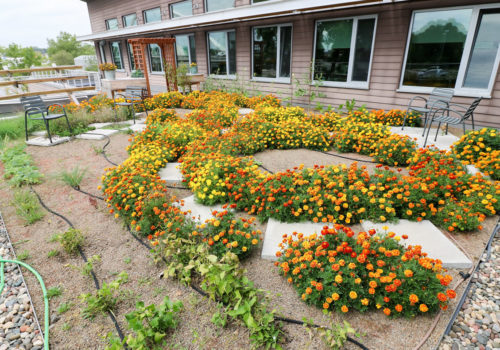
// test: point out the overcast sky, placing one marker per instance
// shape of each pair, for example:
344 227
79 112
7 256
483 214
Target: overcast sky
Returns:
32 22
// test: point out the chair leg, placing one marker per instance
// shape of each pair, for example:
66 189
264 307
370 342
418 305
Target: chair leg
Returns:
48 129
26 126
446 128
404 120
463 126
437 131
69 126
116 113
428 131
425 123
472 120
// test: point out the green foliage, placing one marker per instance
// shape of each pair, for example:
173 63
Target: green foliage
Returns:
63 58
73 177
89 265
183 79
24 57
310 88
14 128
19 166
71 240
53 253
24 255
54 292
335 337
105 299
149 325
64 307
27 206
67 42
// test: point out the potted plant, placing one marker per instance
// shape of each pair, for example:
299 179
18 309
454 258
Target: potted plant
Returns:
193 68
109 70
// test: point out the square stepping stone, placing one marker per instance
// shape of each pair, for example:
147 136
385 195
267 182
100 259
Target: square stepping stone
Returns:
199 212
276 229
432 240
136 127
99 125
471 169
244 111
443 142
171 173
45 142
97 134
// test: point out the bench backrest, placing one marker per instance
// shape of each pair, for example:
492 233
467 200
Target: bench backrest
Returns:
472 107
33 102
440 97
134 91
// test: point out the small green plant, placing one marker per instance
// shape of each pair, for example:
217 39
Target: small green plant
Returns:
73 177
350 106
64 307
66 326
53 253
127 260
104 299
19 166
97 150
310 88
335 337
27 206
24 255
150 325
71 240
89 265
54 292
220 317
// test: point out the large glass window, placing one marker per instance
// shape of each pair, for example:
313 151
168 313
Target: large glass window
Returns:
181 9
111 24
222 53
455 48
216 5
101 52
155 58
343 51
185 49
271 51
116 54
129 20
152 15
131 57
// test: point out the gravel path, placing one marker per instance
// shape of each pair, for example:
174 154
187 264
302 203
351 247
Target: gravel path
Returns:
19 328
477 325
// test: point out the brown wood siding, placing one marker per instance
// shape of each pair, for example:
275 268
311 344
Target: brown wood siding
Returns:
389 49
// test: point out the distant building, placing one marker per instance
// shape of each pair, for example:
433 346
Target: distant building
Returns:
379 52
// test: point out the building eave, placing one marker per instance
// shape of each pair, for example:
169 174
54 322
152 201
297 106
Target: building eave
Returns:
271 9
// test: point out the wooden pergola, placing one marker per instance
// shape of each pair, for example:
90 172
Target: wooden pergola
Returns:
168 54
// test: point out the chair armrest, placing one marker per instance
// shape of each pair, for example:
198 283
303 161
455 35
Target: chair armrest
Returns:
414 98
438 102
448 110
457 105
56 104
40 111
122 95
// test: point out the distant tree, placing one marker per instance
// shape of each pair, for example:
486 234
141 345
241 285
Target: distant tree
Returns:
23 57
67 42
62 58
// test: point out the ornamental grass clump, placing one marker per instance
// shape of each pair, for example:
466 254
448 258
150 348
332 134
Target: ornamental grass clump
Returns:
342 271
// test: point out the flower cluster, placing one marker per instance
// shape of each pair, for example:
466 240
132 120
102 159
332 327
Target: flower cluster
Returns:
394 117
107 67
394 150
160 115
340 270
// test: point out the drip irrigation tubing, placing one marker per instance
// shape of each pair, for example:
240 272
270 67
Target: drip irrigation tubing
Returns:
108 141
349 158
266 169
82 254
77 188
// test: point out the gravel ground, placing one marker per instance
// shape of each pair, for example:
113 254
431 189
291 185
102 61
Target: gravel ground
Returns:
477 325
18 326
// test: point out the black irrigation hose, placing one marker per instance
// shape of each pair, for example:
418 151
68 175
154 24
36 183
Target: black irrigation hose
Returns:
77 188
104 147
82 254
349 158
177 188
195 288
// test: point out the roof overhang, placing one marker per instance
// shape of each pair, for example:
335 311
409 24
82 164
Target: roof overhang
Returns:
263 10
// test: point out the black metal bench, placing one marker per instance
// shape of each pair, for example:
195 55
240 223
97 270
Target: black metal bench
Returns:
133 95
35 109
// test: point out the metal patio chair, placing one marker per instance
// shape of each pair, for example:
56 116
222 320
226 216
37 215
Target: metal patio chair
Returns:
134 94
438 98
457 117
35 109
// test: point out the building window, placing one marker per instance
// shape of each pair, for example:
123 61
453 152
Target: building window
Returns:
102 52
216 5
152 15
181 9
343 51
131 57
456 48
116 54
185 52
129 20
222 53
111 24
257 1
155 58
272 52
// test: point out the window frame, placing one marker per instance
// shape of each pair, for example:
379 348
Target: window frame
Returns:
459 89
225 76
349 84
102 51
144 15
130 14
189 48
130 55
113 57
150 62
205 3
171 13
106 22
277 79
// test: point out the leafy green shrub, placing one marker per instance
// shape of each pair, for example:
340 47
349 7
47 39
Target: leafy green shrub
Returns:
71 240
104 299
19 166
27 206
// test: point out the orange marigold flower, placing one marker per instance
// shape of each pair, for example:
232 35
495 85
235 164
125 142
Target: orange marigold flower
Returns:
451 293
398 308
423 308
326 305
335 296
344 308
387 311
308 290
413 299
353 294
408 273
442 297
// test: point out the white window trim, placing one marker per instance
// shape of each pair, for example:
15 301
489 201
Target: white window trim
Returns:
189 47
144 15
221 76
350 84
277 79
469 41
130 14
113 56
151 63
171 13
227 8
